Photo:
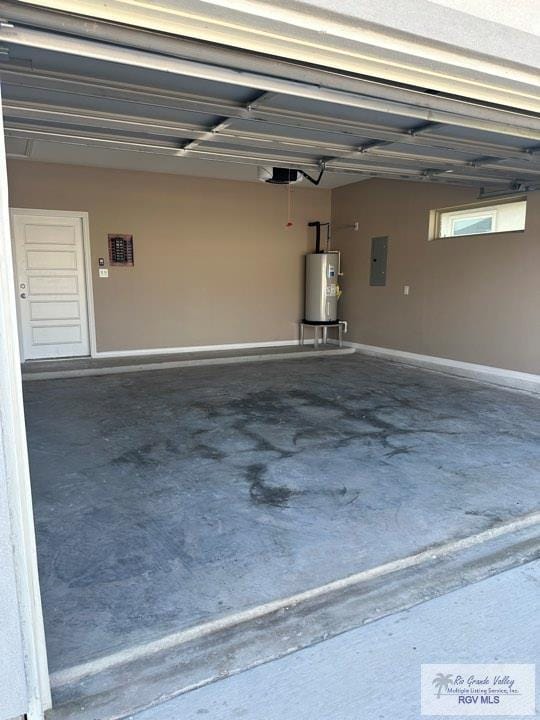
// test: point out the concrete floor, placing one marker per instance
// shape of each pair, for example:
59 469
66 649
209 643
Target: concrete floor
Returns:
374 672
170 498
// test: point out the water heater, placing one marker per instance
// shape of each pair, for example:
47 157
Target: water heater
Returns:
322 290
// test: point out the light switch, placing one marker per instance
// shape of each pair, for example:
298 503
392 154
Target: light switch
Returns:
406 289
104 272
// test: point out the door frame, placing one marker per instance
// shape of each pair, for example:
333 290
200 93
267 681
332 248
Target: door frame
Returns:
14 470
82 215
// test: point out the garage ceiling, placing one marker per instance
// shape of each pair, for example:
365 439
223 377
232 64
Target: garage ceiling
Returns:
180 107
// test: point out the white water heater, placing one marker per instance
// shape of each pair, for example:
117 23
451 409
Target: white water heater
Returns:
322 289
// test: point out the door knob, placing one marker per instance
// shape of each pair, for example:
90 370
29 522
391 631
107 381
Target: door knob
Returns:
23 295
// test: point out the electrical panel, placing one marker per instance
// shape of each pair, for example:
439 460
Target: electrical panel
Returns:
379 257
121 250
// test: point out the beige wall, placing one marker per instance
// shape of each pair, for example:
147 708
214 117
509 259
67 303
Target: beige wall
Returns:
475 299
214 263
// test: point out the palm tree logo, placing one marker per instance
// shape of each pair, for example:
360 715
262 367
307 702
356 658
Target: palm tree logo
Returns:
441 682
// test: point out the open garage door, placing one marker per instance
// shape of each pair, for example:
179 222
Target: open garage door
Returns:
157 102
447 46
107 94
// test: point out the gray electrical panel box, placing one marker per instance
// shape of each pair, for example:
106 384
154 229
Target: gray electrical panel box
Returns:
379 256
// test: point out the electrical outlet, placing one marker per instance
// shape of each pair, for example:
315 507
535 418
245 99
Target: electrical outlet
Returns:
103 272
406 289
356 226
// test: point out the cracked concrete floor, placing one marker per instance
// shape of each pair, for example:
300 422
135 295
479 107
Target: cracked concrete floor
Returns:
170 498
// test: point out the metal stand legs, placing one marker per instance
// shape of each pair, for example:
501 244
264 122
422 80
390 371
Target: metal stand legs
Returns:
323 336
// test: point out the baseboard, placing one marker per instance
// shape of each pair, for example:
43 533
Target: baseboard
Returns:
528 382
177 363
196 348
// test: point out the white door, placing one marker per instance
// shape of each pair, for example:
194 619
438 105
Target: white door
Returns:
51 285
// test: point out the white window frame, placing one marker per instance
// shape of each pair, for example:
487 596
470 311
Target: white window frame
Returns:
462 211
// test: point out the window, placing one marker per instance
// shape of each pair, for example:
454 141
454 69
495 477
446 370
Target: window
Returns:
473 224
504 216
